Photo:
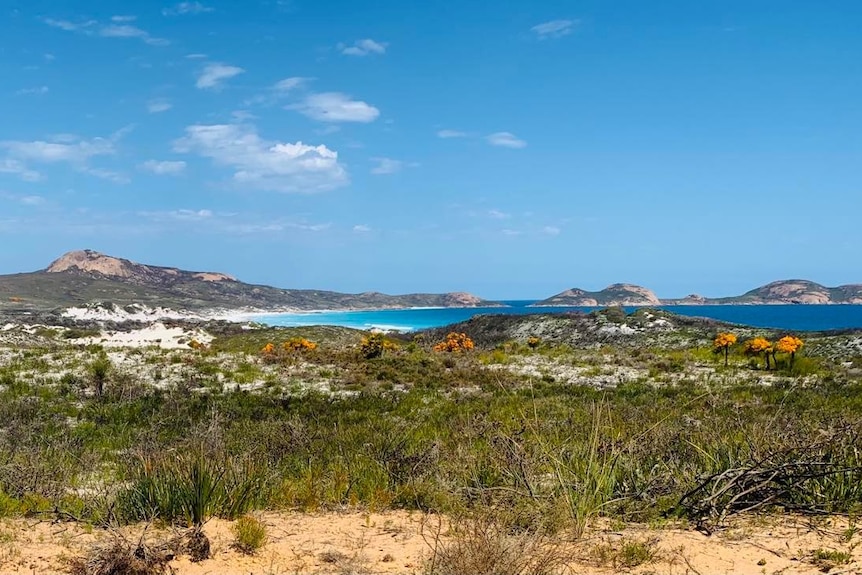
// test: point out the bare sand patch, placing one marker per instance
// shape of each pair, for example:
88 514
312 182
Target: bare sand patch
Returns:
401 543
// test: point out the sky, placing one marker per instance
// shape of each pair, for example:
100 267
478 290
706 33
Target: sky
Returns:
509 149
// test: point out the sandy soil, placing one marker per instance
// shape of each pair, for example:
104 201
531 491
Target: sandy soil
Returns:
402 542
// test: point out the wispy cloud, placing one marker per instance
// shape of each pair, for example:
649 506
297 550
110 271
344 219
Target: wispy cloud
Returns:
183 215
109 175
363 47
184 8
263 164
498 215
506 140
158 105
129 31
164 168
553 29
336 107
289 84
277 92
39 91
60 148
361 229
445 134
69 26
386 166
214 75
551 230
118 28
18 168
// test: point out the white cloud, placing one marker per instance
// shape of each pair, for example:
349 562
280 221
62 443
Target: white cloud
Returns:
60 148
196 56
262 164
40 91
158 105
363 48
451 134
508 232
361 229
214 75
498 215
186 8
123 18
10 166
553 29
551 230
506 140
336 107
163 168
386 166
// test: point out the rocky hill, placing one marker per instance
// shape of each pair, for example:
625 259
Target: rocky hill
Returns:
783 292
613 295
81 278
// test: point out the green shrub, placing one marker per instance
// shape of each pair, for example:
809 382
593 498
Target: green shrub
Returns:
249 534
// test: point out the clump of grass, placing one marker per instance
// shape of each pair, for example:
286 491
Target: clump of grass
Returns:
625 554
485 547
121 556
249 534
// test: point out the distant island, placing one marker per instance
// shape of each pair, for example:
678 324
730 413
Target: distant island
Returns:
778 292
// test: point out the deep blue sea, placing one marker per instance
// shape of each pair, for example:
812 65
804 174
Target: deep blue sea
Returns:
790 317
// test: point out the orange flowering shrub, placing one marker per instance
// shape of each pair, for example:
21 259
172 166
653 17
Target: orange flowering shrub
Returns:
722 342
268 349
455 343
299 344
788 344
533 342
757 346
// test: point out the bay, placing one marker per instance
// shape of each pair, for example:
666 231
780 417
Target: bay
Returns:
789 317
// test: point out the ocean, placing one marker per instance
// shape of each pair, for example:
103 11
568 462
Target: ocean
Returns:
789 317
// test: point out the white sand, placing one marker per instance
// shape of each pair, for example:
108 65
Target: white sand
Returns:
156 334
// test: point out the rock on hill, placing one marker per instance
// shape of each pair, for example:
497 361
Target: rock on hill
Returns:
94 263
81 278
613 295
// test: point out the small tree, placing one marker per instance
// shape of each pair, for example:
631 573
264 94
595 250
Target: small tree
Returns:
759 345
723 341
99 370
789 344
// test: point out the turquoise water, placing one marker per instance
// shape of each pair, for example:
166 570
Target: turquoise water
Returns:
790 317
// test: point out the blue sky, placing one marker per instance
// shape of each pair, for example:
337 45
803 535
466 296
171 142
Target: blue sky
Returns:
510 149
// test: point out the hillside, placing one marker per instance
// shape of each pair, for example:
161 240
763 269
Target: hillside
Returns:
83 277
